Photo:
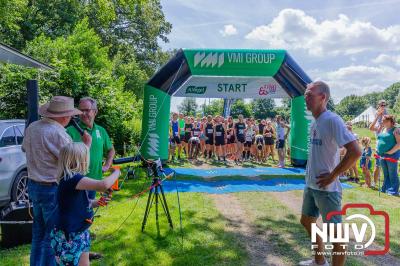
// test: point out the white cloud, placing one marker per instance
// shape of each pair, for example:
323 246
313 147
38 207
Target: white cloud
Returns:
228 30
357 79
294 29
387 59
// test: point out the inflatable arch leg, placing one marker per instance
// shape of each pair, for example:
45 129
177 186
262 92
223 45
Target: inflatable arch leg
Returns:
155 123
300 123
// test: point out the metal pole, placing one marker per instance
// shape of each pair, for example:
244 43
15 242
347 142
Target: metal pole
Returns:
33 101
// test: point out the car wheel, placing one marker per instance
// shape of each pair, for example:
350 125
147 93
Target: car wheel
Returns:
20 187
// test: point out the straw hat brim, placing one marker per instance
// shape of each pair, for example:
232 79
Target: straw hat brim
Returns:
43 111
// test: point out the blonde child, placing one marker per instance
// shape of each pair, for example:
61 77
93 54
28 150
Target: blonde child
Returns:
365 161
70 238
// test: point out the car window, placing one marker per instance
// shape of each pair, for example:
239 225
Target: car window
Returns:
21 128
19 132
8 137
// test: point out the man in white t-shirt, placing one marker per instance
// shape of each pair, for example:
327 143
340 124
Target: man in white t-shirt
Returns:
323 191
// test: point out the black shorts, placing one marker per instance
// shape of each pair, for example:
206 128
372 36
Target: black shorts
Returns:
241 139
231 139
176 140
248 144
210 139
269 141
280 144
260 141
187 137
219 141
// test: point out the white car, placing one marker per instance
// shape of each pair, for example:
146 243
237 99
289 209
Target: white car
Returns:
13 172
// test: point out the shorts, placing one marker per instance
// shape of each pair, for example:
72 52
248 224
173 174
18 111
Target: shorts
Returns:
241 139
269 141
316 202
210 140
231 139
248 144
219 141
202 137
69 251
176 140
280 144
187 137
260 141
362 163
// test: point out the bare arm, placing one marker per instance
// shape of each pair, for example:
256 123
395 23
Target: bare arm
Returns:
379 113
372 125
353 152
87 183
287 132
397 146
110 157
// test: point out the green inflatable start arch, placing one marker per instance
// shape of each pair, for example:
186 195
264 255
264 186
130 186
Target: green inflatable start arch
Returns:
229 74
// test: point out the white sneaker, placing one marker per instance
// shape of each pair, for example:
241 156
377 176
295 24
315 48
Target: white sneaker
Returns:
312 263
372 184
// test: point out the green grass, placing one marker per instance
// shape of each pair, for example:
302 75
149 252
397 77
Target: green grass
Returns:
205 241
287 236
205 238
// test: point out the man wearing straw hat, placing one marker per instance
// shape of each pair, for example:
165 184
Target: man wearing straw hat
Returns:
42 143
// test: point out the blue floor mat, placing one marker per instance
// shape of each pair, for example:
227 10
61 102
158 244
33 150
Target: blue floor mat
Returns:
229 186
259 171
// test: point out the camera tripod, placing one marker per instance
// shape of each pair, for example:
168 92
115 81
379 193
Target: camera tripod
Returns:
156 194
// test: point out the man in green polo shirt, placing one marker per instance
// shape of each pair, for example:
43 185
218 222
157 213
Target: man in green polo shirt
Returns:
101 144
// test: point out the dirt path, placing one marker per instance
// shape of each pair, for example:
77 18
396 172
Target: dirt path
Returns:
241 224
294 202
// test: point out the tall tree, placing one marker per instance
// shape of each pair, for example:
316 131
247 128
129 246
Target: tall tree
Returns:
11 18
131 26
351 106
240 107
263 108
188 106
216 107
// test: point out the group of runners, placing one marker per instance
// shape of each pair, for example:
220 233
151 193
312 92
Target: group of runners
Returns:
219 138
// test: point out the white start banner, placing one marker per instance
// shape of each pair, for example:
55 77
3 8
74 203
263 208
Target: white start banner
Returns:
230 87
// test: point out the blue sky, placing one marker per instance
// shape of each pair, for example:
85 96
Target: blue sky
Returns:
352 45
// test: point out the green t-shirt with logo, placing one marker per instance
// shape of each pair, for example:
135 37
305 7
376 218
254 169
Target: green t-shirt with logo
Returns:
182 126
101 144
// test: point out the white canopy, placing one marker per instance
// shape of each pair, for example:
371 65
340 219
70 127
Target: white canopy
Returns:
367 116
13 56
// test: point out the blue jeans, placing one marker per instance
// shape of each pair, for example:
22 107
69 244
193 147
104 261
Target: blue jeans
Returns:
390 175
44 199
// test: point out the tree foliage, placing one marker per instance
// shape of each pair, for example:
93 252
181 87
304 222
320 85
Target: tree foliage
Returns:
188 106
263 108
240 107
353 105
216 107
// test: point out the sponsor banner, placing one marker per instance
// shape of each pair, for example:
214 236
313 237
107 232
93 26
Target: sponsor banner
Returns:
231 87
234 62
156 105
